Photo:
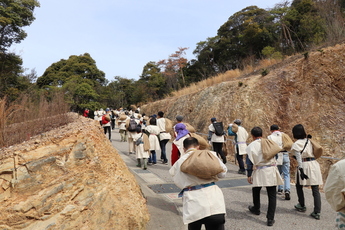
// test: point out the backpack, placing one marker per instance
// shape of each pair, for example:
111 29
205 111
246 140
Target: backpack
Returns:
219 129
132 127
104 120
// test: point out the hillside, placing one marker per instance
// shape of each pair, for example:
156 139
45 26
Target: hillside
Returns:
308 91
69 178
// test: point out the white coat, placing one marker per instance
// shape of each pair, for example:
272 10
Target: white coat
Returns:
214 137
276 136
153 138
242 136
161 125
139 149
198 204
310 168
269 174
335 186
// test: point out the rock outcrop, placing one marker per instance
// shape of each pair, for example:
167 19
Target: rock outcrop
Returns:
309 90
69 178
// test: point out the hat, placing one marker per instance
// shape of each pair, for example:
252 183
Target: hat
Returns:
179 118
181 130
213 119
237 121
107 110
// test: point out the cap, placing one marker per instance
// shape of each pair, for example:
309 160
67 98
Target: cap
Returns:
237 121
213 119
179 117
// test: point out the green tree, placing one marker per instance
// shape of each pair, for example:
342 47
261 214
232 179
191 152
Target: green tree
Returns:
79 78
15 14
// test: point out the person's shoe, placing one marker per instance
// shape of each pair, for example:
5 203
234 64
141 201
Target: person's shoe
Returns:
144 168
300 208
270 222
280 192
315 215
241 172
253 210
165 162
287 195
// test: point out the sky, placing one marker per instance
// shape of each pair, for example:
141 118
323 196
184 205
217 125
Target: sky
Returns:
122 36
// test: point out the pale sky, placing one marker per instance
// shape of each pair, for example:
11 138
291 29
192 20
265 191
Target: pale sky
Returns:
123 36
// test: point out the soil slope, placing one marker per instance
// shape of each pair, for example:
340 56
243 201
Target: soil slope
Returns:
308 91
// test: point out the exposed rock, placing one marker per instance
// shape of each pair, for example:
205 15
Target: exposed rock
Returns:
305 91
69 178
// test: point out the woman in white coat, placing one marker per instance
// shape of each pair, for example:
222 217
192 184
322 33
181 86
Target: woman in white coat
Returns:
308 172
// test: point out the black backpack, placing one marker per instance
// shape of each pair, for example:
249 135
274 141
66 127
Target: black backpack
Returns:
219 129
132 127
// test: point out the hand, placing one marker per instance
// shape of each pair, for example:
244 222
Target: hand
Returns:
303 176
250 180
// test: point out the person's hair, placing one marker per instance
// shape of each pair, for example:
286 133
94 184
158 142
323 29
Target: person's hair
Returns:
160 113
274 127
126 112
190 142
298 132
136 111
256 132
153 121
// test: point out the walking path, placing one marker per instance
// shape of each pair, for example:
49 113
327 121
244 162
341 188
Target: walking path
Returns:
166 208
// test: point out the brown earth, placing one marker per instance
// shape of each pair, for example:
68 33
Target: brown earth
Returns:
308 91
69 178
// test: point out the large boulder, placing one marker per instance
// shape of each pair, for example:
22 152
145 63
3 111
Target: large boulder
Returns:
69 178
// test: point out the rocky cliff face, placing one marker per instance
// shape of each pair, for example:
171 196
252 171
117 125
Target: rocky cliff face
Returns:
69 178
308 91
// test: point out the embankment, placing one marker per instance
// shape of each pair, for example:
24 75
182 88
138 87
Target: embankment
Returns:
308 91
69 178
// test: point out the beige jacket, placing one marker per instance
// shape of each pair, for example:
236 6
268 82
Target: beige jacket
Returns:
310 168
335 186
265 173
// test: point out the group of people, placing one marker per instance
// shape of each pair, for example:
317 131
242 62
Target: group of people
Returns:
151 134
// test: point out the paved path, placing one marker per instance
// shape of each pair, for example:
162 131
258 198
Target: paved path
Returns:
166 208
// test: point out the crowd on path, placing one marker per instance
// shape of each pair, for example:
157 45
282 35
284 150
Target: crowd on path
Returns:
195 168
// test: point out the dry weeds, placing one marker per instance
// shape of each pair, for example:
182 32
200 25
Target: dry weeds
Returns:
26 117
227 76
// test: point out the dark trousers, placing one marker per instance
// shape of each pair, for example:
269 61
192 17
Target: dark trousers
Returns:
107 129
272 200
162 144
214 222
218 148
112 123
316 195
239 159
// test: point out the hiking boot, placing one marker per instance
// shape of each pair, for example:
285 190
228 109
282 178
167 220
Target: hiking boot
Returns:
300 208
315 215
287 195
253 210
270 222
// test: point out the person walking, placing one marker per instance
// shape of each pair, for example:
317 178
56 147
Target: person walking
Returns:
203 201
153 131
105 120
164 136
266 174
142 147
217 138
240 140
283 161
308 172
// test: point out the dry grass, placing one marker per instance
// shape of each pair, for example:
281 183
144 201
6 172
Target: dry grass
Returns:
25 118
227 76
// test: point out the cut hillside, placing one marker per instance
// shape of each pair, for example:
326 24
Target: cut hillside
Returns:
308 91
69 178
